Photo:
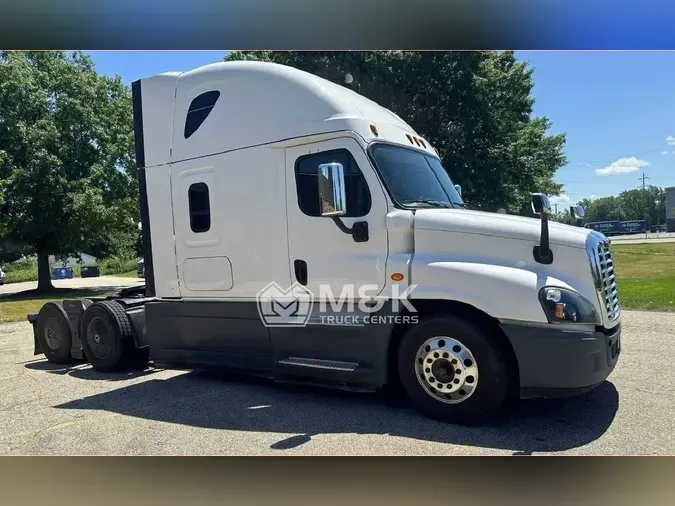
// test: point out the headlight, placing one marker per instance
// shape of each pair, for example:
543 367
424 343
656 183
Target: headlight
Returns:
566 306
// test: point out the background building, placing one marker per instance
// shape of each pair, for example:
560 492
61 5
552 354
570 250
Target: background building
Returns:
670 209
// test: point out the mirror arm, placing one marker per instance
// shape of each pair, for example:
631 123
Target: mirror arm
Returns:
340 224
542 252
359 231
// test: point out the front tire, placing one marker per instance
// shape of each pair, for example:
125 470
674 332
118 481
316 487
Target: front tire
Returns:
453 370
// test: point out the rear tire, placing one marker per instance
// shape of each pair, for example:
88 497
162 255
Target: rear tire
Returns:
454 371
54 334
106 336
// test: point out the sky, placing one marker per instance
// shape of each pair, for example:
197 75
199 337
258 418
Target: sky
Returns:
616 108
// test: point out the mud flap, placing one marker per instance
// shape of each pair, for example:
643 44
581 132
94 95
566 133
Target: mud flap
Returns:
32 319
75 310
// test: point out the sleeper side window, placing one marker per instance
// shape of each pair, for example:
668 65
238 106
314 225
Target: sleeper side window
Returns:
307 184
200 207
199 110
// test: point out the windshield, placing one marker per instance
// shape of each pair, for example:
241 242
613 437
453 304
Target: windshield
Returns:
414 179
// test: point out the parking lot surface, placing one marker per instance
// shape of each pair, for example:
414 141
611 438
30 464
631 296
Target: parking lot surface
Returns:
48 409
102 282
644 238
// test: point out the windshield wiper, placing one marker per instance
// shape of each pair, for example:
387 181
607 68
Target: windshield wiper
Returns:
435 203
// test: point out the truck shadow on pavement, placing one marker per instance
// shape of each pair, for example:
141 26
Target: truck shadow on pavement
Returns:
82 370
63 293
219 401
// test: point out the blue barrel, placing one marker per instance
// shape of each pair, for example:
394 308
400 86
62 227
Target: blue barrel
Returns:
62 273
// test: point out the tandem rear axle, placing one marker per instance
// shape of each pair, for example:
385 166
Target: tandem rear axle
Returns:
108 332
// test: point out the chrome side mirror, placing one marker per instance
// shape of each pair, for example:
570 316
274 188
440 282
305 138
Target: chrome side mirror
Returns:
540 203
577 212
332 190
459 189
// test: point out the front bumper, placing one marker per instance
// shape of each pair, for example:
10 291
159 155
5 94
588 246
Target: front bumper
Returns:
558 362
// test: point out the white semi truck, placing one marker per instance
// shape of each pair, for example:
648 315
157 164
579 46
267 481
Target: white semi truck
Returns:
255 173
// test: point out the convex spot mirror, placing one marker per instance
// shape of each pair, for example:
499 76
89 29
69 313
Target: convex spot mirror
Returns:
577 212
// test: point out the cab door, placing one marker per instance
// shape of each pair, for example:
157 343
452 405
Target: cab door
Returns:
321 252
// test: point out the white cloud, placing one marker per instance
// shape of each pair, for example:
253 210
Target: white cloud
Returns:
665 152
557 199
622 166
670 140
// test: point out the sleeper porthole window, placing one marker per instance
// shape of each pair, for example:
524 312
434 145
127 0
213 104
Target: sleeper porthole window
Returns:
199 110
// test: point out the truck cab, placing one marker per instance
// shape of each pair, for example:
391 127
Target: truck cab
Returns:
257 177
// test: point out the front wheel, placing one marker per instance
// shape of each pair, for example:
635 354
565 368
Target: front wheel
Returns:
453 370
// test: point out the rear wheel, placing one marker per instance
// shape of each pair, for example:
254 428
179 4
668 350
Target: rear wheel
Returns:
54 333
453 370
106 336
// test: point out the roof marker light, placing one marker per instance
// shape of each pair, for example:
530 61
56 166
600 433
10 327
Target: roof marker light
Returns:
373 129
409 138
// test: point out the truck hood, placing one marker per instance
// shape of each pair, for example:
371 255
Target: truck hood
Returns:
499 225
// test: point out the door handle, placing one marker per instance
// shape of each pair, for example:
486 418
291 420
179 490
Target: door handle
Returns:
300 271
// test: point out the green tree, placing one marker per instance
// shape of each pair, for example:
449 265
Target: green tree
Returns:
474 107
648 204
565 217
66 157
603 209
639 204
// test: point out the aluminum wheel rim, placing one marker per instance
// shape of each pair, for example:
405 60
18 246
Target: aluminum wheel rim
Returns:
446 369
98 337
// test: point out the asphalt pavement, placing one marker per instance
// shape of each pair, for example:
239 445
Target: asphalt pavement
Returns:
49 409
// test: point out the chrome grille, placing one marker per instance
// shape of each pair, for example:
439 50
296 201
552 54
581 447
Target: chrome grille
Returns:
607 281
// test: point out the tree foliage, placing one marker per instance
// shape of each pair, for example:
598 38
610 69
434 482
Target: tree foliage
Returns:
66 157
638 204
474 107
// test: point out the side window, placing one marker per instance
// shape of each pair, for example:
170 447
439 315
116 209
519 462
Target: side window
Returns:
198 111
200 207
306 181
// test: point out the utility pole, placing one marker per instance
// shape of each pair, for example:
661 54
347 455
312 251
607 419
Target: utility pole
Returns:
643 179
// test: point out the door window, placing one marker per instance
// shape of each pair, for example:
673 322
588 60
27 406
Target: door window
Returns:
306 180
